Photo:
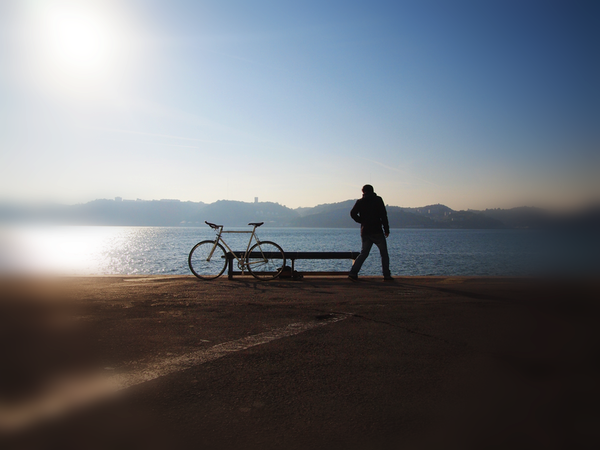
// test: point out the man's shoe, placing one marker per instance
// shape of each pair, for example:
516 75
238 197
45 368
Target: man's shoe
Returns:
353 277
388 278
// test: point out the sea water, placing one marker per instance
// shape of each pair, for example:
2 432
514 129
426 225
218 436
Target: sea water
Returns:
82 250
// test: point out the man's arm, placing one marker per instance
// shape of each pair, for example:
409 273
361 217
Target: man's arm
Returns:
354 213
384 219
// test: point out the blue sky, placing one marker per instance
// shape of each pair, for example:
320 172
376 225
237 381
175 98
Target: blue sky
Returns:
468 103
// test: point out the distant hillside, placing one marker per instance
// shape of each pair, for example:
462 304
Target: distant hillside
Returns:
522 217
333 215
133 213
105 212
399 218
234 214
531 217
434 212
337 215
469 220
338 218
326 207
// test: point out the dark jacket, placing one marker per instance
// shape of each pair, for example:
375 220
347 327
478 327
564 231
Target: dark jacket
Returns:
370 212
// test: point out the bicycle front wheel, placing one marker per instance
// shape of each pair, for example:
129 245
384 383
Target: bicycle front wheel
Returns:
265 260
205 263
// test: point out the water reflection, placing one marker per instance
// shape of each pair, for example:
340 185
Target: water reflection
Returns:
153 250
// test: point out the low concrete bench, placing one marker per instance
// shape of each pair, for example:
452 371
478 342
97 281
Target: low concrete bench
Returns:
293 256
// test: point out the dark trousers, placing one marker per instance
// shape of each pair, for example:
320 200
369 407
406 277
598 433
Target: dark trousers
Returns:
367 242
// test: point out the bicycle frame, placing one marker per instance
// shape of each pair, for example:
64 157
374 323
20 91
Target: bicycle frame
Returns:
241 261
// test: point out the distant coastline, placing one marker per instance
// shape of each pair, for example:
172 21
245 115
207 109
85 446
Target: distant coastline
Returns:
169 212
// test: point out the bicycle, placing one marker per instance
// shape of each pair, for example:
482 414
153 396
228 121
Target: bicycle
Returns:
264 260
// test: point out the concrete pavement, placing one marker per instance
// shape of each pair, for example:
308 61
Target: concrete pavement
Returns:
423 362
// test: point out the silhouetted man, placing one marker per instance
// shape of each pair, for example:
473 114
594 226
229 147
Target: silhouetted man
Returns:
370 212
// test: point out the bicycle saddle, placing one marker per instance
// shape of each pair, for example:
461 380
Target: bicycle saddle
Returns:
256 224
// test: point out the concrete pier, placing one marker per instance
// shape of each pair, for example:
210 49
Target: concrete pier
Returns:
322 363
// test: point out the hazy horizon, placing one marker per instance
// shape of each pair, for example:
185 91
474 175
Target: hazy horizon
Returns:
570 208
473 105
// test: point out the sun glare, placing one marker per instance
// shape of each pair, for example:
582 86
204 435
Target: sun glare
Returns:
78 48
78 41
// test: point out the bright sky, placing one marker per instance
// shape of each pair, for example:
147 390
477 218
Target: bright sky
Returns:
473 104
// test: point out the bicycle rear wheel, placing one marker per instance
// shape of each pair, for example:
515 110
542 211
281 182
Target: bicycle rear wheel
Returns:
204 267
265 260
